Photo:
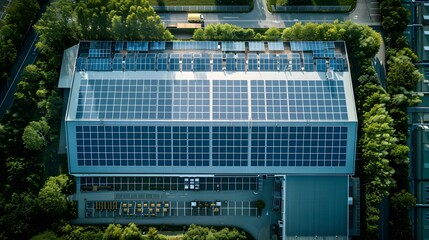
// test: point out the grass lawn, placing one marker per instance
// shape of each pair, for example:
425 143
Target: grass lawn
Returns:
197 2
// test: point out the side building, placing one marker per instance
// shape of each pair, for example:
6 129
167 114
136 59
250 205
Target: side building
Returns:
201 132
417 34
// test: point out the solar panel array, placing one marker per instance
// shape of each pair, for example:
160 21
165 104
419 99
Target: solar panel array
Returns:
137 46
306 56
233 46
223 146
213 62
157 45
196 45
229 99
311 46
275 46
143 99
256 46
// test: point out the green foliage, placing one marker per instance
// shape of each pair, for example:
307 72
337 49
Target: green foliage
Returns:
272 34
131 232
52 197
113 232
223 32
394 19
260 204
46 235
71 232
35 135
401 203
57 28
120 20
204 233
402 74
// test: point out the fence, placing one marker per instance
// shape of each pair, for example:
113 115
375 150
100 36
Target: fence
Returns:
345 8
202 8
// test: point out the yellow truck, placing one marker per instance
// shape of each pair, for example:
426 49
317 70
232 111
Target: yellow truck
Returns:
195 18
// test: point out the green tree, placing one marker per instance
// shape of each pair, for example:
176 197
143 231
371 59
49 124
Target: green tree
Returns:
46 235
131 232
199 35
113 232
272 34
402 74
401 204
57 28
52 197
35 135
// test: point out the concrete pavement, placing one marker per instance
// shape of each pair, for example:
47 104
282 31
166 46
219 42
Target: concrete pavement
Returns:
364 13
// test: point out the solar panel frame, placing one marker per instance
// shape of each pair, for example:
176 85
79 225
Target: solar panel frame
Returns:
241 62
119 46
296 62
283 62
134 46
252 62
99 53
81 64
321 65
187 64
160 45
233 46
99 64
161 64
268 62
173 61
130 62
217 62
117 62
230 62
308 62
256 46
276 46
201 62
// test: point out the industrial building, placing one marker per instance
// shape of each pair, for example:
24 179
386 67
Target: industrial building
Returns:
197 132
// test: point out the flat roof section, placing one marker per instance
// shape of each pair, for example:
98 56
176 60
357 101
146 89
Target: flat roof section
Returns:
316 206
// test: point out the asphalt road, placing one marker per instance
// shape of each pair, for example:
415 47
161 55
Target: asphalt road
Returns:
25 57
364 13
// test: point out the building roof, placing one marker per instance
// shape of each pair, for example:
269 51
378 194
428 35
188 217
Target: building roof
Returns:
212 81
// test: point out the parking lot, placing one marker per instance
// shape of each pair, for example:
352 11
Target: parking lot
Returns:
151 209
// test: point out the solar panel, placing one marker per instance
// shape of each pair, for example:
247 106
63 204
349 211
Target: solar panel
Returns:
99 64
130 62
117 62
100 45
311 46
252 62
174 62
191 100
296 62
308 62
230 100
230 62
99 53
196 45
267 62
201 62
119 46
137 46
187 62
241 62
145 62
317 100
276 46
283 62
256 46
340 63
157 46
162 62
81 64
217 62
321 65
233 46
276 100
258 100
